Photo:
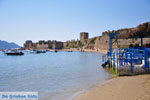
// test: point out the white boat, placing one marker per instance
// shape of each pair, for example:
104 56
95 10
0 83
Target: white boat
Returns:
13 52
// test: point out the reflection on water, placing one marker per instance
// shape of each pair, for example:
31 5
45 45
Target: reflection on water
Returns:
53 75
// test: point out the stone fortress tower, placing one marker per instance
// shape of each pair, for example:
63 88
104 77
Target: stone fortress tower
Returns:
28 44
84 36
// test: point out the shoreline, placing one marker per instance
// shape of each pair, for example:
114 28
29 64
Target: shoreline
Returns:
86 50
75 49
80 93
120 88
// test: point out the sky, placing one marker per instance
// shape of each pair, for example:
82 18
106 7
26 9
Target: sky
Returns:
62 20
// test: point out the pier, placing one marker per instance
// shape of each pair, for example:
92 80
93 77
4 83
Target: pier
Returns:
132 60
128 61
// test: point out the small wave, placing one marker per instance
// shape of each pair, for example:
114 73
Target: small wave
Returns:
76 94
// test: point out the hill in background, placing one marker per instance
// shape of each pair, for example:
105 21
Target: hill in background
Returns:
7 45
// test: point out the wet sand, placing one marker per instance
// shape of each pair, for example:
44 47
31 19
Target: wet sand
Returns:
120 88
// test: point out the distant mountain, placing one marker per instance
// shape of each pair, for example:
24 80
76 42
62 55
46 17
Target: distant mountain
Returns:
6 45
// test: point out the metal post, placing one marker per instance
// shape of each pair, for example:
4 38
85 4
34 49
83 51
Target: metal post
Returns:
131 63
110 44
105 58
114 61
111 36
117 62
141 41
145 58
111 61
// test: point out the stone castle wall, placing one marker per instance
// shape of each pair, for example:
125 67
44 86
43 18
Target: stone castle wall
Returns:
97 43
102 42
43 45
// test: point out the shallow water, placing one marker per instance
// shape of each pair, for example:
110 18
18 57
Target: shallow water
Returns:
54 75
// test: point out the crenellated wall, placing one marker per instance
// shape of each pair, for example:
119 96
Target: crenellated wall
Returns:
43 45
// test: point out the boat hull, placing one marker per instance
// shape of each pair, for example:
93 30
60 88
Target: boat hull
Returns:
21 53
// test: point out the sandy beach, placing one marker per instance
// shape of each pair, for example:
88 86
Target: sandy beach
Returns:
100 51
87 50
120 88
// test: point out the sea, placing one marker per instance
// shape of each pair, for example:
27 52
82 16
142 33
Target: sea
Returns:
54 75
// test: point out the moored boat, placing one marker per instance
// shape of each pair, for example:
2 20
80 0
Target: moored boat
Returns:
55 51
38 51
69 51
13 52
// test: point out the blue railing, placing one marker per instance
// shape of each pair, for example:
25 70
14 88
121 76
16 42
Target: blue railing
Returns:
127 56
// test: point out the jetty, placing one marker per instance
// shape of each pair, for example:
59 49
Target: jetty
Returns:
133 60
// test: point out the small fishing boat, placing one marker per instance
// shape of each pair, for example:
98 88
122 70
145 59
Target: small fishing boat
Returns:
13 52
38 51
55 51
69 51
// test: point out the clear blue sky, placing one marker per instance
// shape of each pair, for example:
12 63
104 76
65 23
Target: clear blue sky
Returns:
63 20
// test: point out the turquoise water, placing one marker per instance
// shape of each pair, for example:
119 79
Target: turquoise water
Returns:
55 76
